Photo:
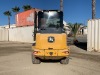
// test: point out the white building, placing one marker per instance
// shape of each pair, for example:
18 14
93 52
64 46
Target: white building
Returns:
83 30
7 26
66 27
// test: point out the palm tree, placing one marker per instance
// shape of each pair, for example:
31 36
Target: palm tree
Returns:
74 29
26 7
8 13
93 9
16 9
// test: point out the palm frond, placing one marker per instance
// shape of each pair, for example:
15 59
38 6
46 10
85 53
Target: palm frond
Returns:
26 7
74 28
15 9
7 13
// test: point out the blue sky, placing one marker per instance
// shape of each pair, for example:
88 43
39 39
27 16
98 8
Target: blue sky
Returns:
74 10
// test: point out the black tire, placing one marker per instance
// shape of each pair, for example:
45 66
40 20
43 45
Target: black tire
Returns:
65 61
35 60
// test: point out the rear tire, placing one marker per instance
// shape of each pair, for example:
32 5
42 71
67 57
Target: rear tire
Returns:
65 61
35 60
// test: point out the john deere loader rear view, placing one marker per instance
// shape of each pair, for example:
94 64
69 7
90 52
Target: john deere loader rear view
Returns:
50 37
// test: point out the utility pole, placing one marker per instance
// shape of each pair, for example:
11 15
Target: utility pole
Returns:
93 9
61 5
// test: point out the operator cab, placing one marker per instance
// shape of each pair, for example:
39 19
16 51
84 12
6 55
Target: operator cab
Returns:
50 21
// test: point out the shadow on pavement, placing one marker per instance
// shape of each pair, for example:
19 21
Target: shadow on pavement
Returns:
82 45
50 61
5 51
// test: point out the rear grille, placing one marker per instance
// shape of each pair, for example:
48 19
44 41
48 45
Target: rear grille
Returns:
50 48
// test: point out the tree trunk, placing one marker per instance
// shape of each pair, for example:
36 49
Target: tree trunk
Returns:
61 5
93 9
9 21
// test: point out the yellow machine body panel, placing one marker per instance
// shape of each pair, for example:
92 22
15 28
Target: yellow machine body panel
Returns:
55 52
42 41
47 50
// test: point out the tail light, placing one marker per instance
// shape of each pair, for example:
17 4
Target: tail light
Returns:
66 52
35 52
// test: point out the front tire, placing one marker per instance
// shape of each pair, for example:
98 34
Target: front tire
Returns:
35 60
65 61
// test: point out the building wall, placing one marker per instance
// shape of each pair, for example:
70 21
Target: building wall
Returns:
3 34
93 38
21 34
85 31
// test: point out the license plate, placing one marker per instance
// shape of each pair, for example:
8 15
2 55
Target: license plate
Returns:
50 53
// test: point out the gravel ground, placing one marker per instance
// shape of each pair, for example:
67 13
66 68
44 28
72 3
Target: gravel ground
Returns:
15 59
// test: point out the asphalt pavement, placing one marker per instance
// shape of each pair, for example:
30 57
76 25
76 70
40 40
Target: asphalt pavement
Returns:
15 59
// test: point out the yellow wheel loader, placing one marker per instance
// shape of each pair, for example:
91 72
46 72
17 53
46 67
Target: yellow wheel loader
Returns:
50 37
